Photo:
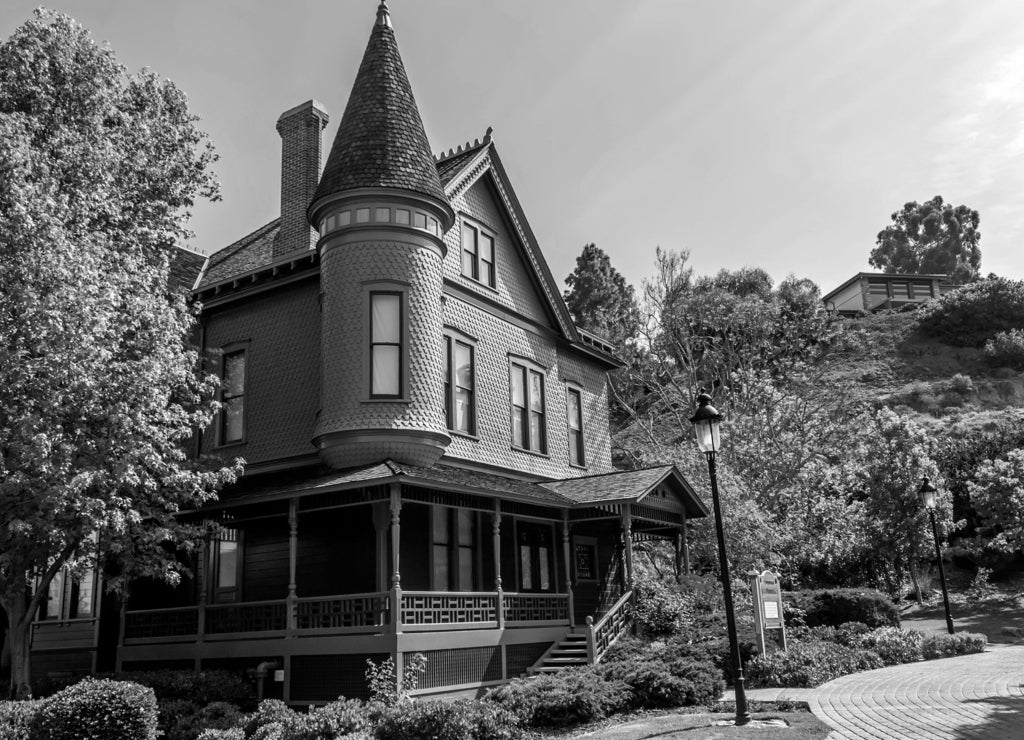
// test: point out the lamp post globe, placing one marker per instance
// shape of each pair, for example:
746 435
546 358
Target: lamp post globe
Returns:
707 428
929 497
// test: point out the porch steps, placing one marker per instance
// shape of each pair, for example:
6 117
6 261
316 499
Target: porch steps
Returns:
571 652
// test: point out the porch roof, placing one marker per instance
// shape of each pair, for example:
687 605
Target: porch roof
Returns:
571 493
628 486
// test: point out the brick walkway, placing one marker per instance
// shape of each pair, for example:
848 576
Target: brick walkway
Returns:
973 696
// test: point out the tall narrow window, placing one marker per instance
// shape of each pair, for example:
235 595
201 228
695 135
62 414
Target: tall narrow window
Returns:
454 532
574 409
478 254
386 345
460 401
536 561
528 418
232 415
226 563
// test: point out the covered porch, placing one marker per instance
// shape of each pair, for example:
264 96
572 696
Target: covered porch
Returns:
482 573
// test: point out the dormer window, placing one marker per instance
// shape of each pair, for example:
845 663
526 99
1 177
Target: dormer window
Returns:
478 253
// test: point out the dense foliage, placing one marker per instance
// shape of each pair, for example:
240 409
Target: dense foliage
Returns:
933 237
571 697
600 299
1006 349
809 664
98 378
836 607
974 313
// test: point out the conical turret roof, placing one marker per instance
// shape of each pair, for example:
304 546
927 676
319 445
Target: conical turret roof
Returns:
381 142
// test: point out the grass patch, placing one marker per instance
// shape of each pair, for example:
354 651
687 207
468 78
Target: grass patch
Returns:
700 726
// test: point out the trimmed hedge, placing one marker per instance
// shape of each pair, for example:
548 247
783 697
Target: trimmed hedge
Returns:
893 645
440 720
809 664
204 686
836 606
98 709
945 646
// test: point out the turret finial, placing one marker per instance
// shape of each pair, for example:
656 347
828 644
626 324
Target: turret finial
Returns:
383 15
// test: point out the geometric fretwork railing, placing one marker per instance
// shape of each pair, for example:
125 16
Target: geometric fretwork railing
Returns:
533 608
351 613
602 634
255 616
439 610
181 622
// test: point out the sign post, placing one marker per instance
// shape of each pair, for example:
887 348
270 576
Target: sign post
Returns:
766 593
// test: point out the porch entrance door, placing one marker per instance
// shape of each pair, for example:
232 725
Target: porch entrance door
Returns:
536 557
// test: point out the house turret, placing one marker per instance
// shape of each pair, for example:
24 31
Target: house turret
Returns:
381 213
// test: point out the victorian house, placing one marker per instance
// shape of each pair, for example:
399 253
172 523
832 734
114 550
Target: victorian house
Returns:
426 434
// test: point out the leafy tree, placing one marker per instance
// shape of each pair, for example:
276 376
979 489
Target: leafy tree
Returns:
600 299
997 493
931 237
99 389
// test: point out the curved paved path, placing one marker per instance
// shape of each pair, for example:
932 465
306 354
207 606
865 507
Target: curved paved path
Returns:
972 696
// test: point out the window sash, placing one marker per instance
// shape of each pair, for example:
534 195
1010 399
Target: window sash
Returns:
478 254
459 391
574 409
386 344
529 425
232 415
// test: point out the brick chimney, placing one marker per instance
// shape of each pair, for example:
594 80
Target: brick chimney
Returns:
300 129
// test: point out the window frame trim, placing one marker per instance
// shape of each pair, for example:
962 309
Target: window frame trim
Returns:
479 226
450 335
243 347
528 366
574 387
388 287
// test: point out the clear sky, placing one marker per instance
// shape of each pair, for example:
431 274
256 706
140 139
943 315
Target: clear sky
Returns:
777 134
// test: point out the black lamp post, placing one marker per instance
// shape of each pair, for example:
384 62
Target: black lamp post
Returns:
706 423
930 503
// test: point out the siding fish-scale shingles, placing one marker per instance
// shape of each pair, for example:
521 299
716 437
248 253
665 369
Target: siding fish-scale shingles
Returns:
282 392
381 142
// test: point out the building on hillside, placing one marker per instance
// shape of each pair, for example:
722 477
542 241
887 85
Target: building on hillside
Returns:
426 431
874 291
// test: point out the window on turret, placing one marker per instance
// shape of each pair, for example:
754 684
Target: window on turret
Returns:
385 345
529 426
232 397
478 253
459 390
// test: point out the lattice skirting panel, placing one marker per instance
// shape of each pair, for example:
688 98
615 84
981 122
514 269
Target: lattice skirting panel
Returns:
519 658
326 677
461 666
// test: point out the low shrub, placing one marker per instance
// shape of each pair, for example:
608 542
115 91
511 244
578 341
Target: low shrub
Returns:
235 733
208 686
1006 349
833 607
567 698
98 709
269 711
945 646
809 664
652 684
971 314
16 719
893 645
659 611
438 720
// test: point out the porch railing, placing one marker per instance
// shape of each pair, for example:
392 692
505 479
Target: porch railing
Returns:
349 613
602 634
418 611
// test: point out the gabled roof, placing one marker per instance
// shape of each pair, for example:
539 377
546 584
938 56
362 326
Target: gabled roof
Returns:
465 166
381 142
628 486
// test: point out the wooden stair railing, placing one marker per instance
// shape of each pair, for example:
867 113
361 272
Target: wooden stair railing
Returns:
602 634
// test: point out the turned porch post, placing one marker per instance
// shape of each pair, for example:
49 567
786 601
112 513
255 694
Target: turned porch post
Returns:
496 539
567 555
396 547
627 544
293 556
